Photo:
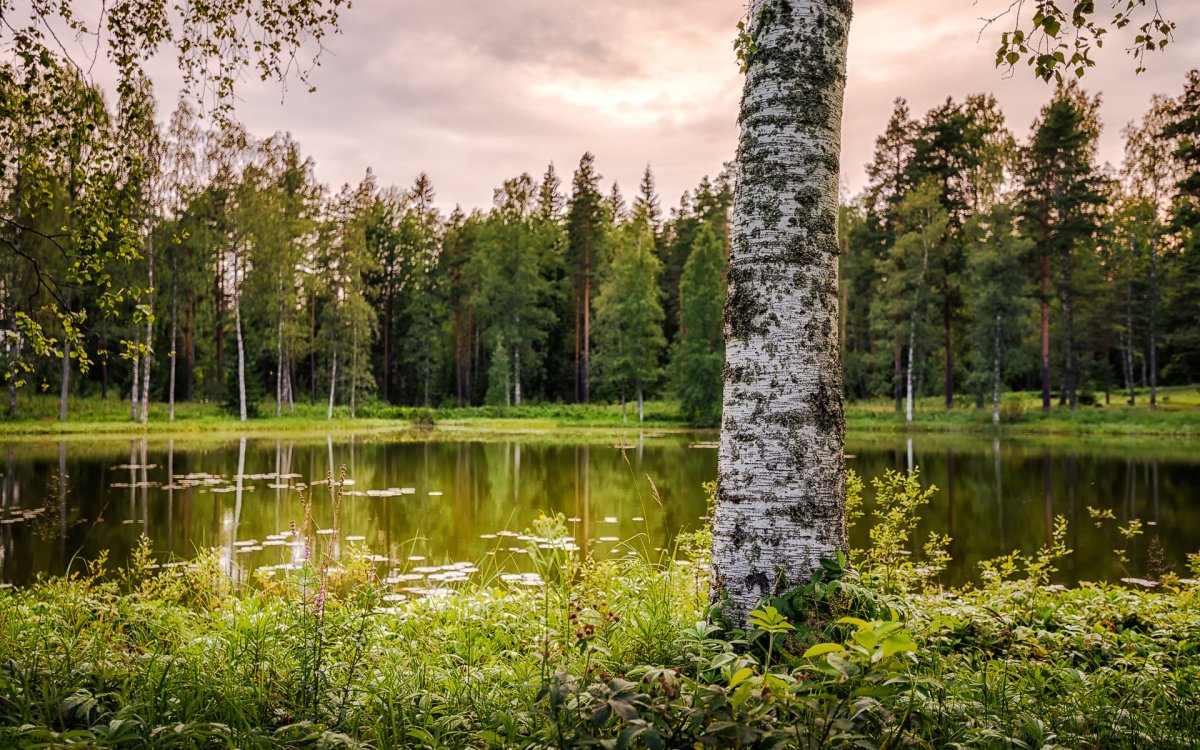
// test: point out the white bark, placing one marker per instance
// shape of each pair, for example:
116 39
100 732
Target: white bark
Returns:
279 353
241 347
781 469
145 405
174 349
332 384
66 381
641 405
912 329
134 390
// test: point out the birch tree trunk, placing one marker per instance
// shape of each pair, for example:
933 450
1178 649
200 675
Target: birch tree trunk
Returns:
133 391
1153 319
66 381
641 404
781 469
174 343
912 333
145 405
332 384
241 347
354 374
279 353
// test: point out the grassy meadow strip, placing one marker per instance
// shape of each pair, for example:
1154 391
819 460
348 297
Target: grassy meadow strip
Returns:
1178 414
568 652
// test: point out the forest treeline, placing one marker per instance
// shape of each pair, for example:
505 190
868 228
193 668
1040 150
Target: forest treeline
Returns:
187 263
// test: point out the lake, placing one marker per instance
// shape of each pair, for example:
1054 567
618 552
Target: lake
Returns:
430 500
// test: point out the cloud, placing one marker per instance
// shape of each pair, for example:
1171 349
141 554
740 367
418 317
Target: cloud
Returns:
476 92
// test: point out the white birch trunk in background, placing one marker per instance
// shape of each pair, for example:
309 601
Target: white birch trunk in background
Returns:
332 384
174 348
145 405
241 347
66 381
781 469
912 328
134 390
279 353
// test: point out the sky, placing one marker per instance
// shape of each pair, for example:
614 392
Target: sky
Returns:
476 91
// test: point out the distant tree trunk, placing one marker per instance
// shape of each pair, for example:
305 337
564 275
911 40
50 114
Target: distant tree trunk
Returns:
387 343
1153 322
354 373
641 404
134 390
1070 374
624 415
578 376
312 349
332 384
174 355
145 406
912 333
781 467
241 346
996 371
897 369
12 378
949 344
517 364
279 351
1045 310
190 393
66 380
587 326
220 315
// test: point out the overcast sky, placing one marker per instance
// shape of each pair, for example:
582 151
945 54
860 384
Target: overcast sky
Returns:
476 91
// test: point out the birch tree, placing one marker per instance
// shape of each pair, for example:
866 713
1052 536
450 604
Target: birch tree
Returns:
781 476
1150 171
1000 301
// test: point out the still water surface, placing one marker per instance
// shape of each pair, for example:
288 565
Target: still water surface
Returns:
425 502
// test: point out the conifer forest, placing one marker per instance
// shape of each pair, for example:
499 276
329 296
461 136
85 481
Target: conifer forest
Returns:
983 256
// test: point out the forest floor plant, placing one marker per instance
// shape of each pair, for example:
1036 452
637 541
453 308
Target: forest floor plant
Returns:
557 650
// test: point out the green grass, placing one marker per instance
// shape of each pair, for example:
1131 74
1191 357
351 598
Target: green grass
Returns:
1178 414
621 653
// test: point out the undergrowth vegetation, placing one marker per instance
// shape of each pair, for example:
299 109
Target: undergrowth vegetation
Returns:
572 652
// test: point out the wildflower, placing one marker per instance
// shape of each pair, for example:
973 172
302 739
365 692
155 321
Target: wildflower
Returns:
319 602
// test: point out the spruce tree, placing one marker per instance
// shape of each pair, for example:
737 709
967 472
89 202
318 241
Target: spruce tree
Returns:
586 231
699 351
629 317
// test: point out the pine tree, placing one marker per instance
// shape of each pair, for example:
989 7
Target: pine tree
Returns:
699 351
1061 196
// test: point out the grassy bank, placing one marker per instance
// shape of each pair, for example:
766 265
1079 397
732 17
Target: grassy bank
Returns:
340 652
1178 414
